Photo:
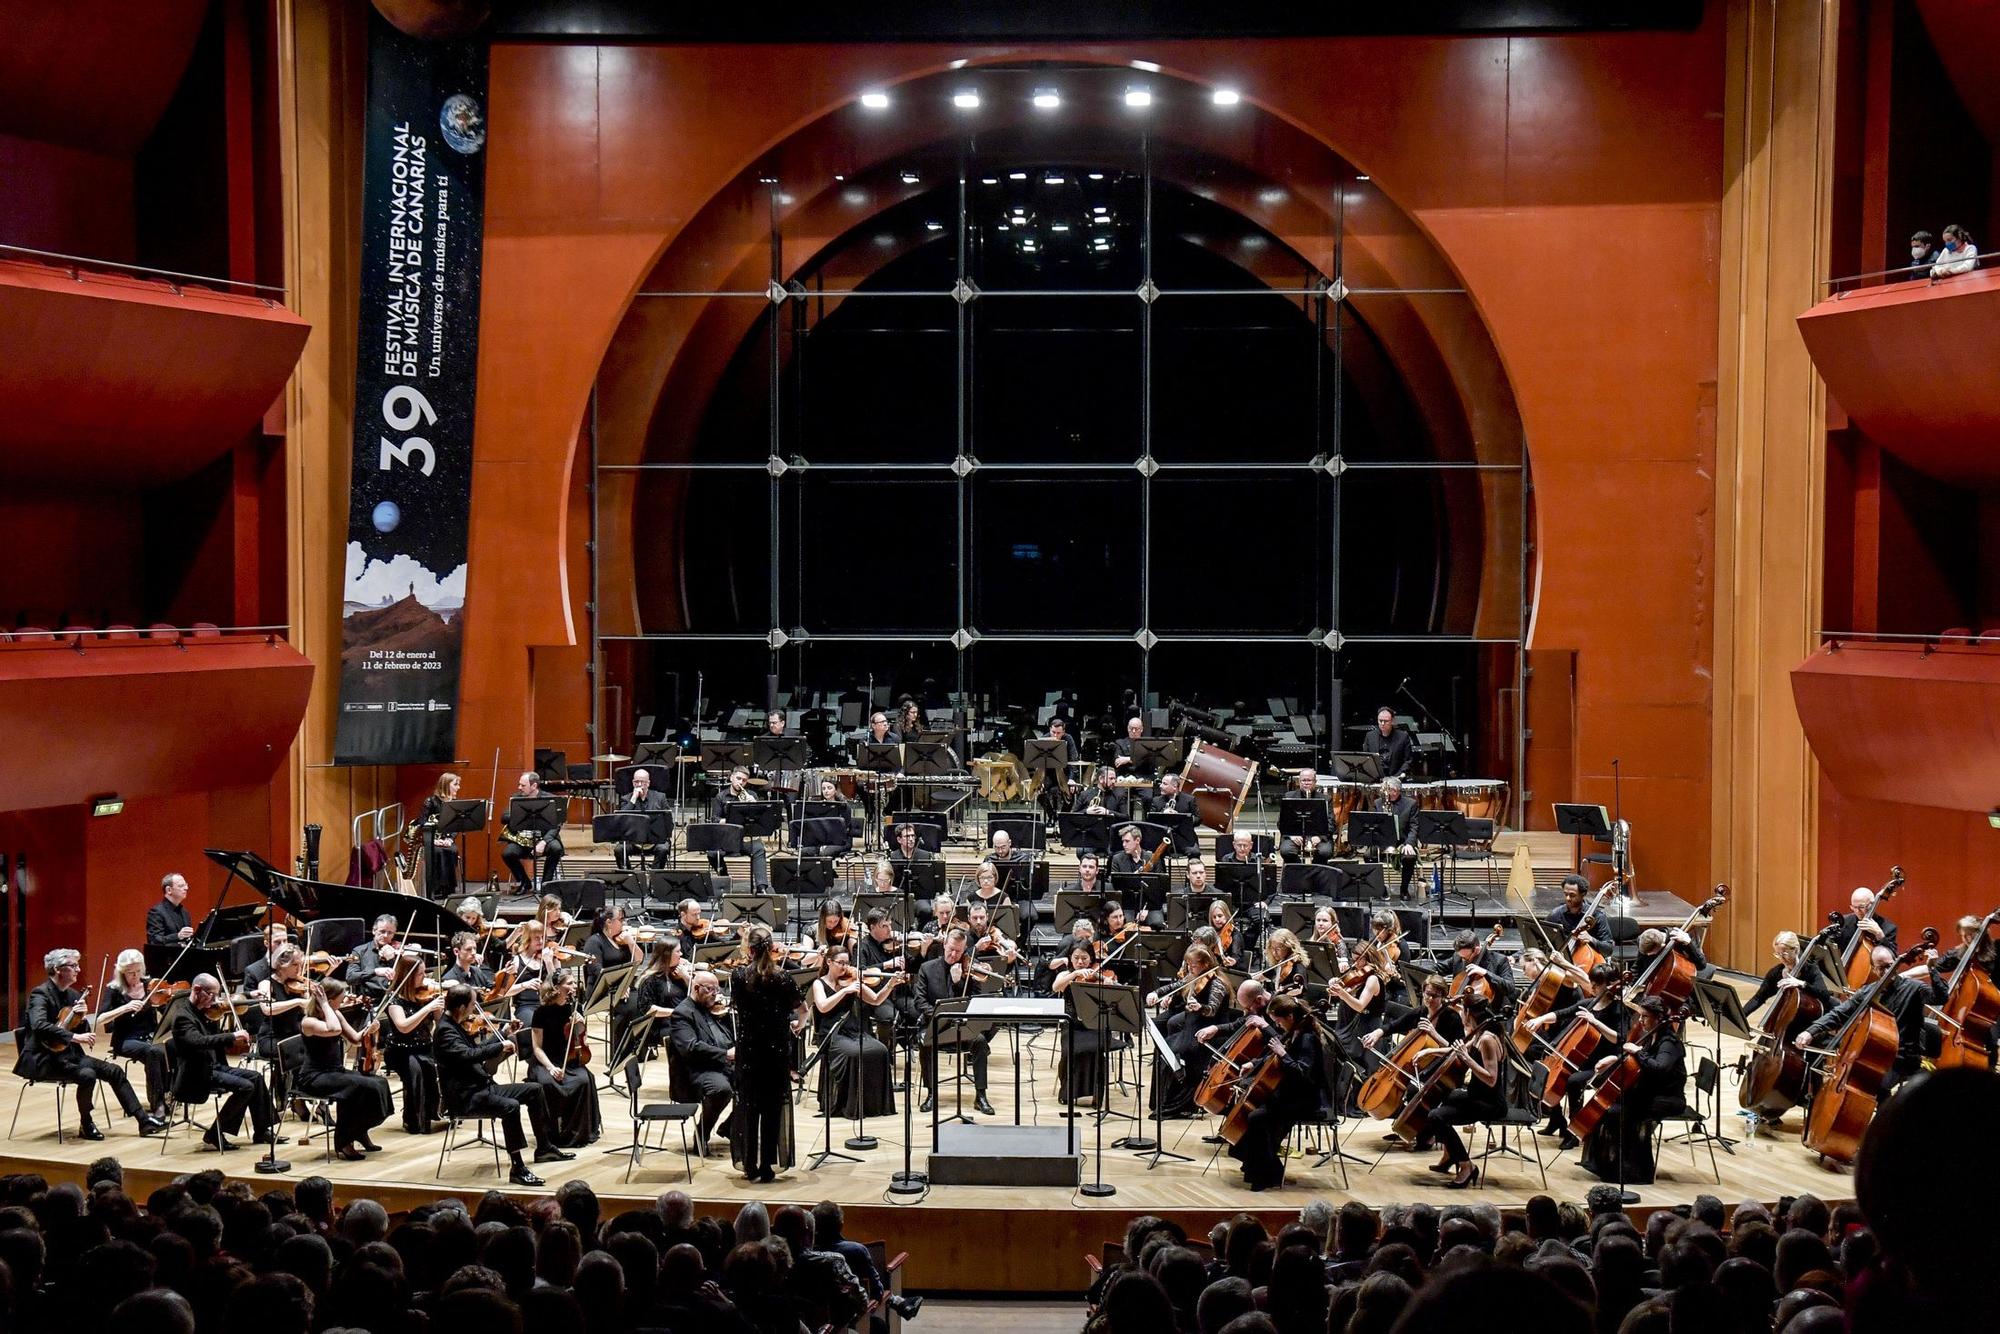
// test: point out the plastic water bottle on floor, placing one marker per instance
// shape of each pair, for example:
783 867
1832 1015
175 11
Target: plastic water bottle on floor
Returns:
1437 884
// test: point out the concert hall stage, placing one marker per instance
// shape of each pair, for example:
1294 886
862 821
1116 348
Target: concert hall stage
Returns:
976 1238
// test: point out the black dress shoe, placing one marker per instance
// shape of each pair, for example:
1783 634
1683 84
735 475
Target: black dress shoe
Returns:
89 1130
907 1307
767 1174
925 1106
270 1137
220 1143
1568 1141
983 1107
152 1123
521 1176
348 1153
548 1153
368 1145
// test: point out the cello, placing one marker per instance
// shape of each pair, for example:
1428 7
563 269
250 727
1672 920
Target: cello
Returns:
1775 1077
1578 948
1617 1081
1863 1055
1218 1086
1670 976
1854 959
1542 999
1971 1007
1383 1093
1465 984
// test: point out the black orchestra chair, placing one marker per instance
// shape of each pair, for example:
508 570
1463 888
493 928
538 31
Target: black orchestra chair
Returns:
661 1113
1500 1131
61 1087
1708 1087
453 1121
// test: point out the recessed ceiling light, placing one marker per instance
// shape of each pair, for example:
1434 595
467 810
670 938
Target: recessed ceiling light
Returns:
1138 97
855 197
989 180
910 178
1059 227
1100 209
875 101
1096 175
1146 65
965 99
1363 178
838 177
1226 97
1003 226
1047 99
1017 175
933 226
1052 179
1271 196
1100 221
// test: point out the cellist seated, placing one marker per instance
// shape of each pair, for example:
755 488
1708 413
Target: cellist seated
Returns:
1657 1088
1293 1062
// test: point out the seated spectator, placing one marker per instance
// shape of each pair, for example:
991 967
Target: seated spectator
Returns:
1923 254
1959 255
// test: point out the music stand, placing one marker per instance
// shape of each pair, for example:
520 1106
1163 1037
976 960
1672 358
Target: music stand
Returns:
1716 1004
803 877
1355 766
770 909
1584 821
1446 829
1242 883
1046 754
1074 903
1160 947
1311 880
726 839
1179 826
1305 817
1373 829
781 754
1030 832
651 753
638 829
579 895
1358 880
896 905
1081 831
1108 1008
877 757
1164 1050
681 882
1297 918
920 878
1322 966
1142 891
928 759
1154 754
723 756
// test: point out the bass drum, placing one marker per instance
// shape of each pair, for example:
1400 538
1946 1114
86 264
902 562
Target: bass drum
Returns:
1220 782
1480 799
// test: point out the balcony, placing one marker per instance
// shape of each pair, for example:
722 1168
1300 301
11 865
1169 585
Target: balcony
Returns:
1911 363
123 377
142 713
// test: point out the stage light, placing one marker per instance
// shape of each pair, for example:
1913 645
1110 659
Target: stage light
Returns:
1272 196
910 178
1225 97
1052 179
1017 175
965 100
1138 97
1100 209
855 197
1147 65
1047 99
1027 243
1096 175
989 180
875 101
1363 178
1002 226
933 226
1058 226
1100 220
109 804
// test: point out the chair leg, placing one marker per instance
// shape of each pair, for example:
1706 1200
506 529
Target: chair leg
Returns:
687 1157
450 1129
26 1084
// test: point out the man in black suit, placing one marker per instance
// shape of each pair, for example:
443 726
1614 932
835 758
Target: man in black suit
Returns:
469 1089
375 961
1122 756
1393 802
202 1068
1168 799
945 978
1389 743
519 848
1104 796
704 1056
1317 848
466 969
1861 915
1469 955
55 1054
738 793
167 921
1131 855
642 798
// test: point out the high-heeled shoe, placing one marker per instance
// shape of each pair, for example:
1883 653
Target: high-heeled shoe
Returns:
1464 1182
1445 1168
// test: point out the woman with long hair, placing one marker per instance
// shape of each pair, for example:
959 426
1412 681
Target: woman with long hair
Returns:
569 1092
1480 1097
440 854
855 1070
769 1009
1198 1001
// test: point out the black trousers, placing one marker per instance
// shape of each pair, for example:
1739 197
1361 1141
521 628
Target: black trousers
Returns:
1460 1107
1266 1129
358 1099
975 1054
504 1102
153 1056
521 861
85 1072
654 855
714 1092
246 1089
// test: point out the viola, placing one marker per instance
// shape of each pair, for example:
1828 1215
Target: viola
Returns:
163 993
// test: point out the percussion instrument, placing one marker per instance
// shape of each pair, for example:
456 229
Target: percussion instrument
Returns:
1347 798
1428 796
1220 783
1478 799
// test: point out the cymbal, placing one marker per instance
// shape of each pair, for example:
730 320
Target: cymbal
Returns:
609 757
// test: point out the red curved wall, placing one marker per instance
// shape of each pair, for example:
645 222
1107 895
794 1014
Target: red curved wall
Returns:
1574 182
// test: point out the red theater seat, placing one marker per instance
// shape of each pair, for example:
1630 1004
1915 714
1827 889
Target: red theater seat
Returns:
206 630
161 630
1958 632
120 632
33 634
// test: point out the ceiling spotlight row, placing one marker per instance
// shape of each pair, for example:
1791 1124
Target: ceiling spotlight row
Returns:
1138 96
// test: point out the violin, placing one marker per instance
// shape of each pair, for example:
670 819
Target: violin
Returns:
503 982
320 963
163 993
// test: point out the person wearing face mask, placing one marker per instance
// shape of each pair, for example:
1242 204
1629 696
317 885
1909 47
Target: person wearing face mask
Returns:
1959 255
1923 253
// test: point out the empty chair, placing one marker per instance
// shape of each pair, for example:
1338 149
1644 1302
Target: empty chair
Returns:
120 632
161 630
33 634
206 630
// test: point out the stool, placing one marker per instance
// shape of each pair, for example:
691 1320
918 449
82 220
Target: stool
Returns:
656 1113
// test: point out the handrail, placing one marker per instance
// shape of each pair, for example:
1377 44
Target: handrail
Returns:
76 262
123 636
1833 286
1881 636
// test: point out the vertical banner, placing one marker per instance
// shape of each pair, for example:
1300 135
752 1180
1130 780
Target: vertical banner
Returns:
423 202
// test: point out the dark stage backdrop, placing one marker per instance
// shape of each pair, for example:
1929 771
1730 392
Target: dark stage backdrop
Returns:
422 205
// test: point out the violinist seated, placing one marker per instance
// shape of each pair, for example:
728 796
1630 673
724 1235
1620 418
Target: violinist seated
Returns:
1861 915
1115 936
1198 997
704 1057
1313 847
1290 1040
1480 1096
467 1087
952 975
1903 997
276 936
360 1101
406 1043
1220 919
1652 940
1609 1015
205 1036
1080 1063
283 999
990 945
468 967
1567 920
944 917
375 961
1103 797
57 1038
1470 956
696 929
610 943
1626 1130
882 951
130 1018
1284 963
1082 931
656 991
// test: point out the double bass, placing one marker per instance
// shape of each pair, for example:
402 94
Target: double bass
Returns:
1775 1077
1971 1008
1854 959
1863 1055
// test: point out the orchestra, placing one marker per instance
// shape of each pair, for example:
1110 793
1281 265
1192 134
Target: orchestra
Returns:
1249 1023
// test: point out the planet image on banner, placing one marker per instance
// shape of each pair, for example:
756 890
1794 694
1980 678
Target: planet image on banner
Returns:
463 126
387 515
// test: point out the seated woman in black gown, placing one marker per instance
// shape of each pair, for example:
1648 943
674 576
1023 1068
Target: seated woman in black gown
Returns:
855 1069
360 1102
1480 1095
1620 1148
658 989
569 1091
1081 1066
1199 999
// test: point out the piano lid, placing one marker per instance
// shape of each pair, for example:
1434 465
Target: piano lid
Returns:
310 900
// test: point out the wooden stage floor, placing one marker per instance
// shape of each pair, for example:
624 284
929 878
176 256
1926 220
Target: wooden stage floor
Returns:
991 1238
